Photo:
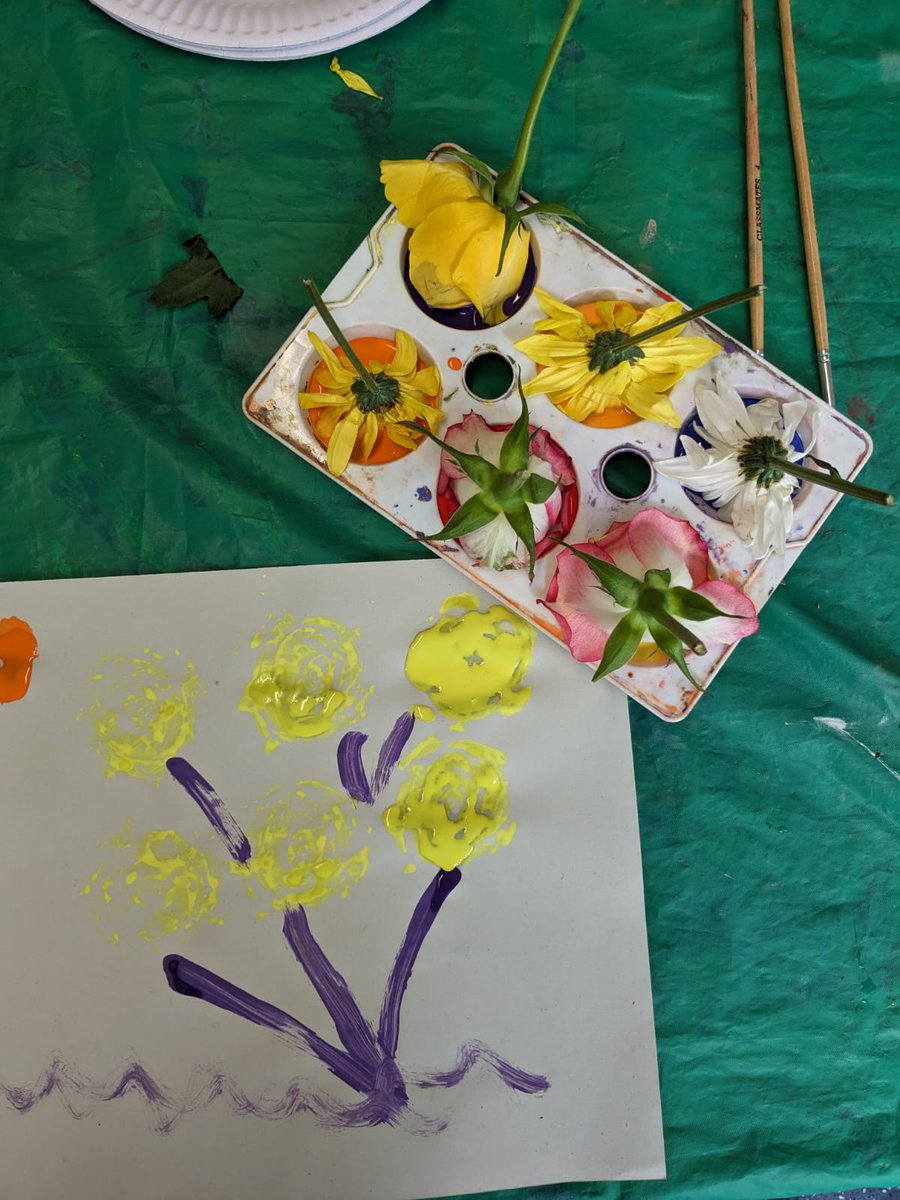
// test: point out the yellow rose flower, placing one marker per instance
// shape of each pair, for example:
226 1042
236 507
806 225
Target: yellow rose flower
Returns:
468 244
457 237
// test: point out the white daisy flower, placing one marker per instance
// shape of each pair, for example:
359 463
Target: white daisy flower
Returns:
734 473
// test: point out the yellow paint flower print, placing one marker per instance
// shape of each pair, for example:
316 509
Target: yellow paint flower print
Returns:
591 366
354 411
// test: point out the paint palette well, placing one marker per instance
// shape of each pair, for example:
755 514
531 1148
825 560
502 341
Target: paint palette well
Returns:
370 297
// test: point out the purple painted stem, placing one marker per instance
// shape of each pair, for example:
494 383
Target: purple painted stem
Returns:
355 1032
212 807
190 979
420 922
391 749
350 763
351 769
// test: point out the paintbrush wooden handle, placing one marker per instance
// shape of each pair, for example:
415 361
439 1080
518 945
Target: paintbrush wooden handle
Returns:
804 192
754 183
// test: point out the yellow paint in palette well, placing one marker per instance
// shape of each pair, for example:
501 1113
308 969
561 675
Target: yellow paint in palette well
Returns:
144 713
167 884
303 850
471 663
455 808
306 682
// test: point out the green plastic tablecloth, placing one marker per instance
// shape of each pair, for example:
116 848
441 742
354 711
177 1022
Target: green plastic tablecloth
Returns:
769 842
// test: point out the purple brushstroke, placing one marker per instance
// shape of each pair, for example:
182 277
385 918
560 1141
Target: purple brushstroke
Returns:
212 807
351 769
350 763
469 1056
423 917
189 979
355 1032
80 1096
390 751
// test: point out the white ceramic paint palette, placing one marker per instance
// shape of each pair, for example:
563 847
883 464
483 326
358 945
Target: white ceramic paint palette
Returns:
369 297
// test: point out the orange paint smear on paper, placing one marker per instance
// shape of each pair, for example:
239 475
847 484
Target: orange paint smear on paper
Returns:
18 650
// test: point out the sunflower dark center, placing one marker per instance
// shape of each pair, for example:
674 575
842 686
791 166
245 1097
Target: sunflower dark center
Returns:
755 460
378 398
606 350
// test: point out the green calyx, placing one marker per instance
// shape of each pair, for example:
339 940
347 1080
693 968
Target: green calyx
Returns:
504 490
652 606
502 191
764 460
376 397
757 458
607 351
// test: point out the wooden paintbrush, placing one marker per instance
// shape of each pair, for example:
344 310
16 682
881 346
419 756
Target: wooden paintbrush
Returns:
754 192
804 192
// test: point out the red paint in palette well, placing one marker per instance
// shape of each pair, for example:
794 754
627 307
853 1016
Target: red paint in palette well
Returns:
18 650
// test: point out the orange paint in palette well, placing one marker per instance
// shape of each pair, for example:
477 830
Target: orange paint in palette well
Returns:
18 650
369 349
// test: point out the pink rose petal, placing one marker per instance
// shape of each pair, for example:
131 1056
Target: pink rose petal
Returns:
725 631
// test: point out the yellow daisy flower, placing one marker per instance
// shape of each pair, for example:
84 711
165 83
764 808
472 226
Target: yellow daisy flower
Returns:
593 366
358 409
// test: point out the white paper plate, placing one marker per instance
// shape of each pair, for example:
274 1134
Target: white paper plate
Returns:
259 29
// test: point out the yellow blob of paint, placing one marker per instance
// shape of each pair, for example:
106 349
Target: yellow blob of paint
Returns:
306 681
422 712
302 847
170 880
455 807
471 664
143 714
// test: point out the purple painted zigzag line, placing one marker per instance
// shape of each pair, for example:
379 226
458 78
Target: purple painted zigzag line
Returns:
80 1095
469 1055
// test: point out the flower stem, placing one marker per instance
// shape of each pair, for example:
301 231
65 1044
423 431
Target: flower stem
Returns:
701 311
684 635
509 182
335 330
835 482
420 922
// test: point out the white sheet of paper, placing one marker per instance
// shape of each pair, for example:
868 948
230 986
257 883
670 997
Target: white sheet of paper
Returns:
539 953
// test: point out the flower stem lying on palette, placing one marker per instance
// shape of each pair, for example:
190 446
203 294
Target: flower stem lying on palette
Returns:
366 1061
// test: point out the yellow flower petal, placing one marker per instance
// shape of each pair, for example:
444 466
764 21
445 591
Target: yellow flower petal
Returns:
461 241
342 442
325 400
352 80
425 278
339 375
369 434
405 359
416 186
652 406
